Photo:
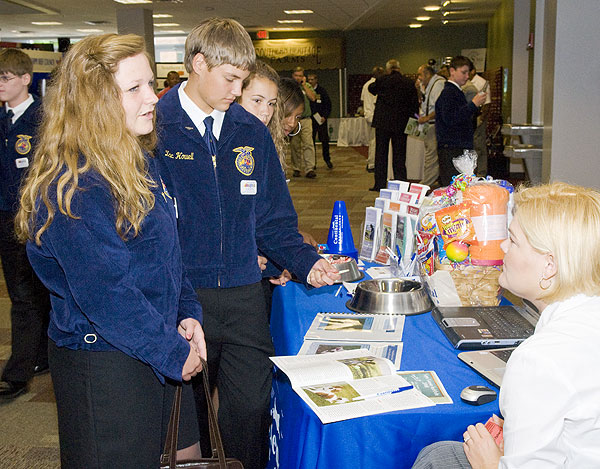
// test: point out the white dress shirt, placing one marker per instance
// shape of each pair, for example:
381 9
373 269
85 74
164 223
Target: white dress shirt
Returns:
20 109
432 93
368 100
198 115
550 396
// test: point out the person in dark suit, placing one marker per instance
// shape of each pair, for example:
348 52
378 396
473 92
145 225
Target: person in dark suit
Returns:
454 118
321 106
397 100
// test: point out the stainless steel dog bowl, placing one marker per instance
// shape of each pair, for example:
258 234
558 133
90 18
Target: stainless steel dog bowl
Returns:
346 266
390 296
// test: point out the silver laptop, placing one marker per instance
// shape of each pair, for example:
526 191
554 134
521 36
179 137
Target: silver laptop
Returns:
490 364
485 327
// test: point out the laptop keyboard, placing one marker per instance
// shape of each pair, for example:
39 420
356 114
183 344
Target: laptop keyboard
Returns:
517 326
503 355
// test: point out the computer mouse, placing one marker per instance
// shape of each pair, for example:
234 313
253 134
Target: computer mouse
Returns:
477 395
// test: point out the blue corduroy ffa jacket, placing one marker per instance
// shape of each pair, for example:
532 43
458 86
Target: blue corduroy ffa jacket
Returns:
109 294
232 207
454 118
16 153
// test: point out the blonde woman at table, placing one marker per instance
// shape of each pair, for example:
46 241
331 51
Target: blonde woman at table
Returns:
550 395
102 236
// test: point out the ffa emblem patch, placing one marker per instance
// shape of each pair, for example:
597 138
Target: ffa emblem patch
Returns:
23 145
165 192
244 162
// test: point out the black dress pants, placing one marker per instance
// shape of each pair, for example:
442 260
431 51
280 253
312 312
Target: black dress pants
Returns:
321 130
238 341
30 307
382 143
447 169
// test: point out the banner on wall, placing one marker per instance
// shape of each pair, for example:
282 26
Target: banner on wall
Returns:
310 53
477 56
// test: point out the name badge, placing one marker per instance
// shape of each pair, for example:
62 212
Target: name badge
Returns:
22 162
248 187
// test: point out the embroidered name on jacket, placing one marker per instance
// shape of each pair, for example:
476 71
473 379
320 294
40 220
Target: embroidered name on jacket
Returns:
179 155
244 161
23 145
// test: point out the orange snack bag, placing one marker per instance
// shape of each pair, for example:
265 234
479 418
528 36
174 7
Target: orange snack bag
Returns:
488 204
455 223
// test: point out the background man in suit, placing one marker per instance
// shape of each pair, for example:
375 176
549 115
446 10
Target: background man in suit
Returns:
321 106
454 118
397 100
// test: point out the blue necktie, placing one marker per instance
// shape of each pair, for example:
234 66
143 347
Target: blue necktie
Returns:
209 137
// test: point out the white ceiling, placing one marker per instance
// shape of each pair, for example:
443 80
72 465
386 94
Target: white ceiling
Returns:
16 16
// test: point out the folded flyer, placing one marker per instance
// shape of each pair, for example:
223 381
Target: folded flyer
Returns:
356 327
392 350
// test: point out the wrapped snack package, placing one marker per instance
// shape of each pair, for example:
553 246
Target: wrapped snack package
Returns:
455 223
488 203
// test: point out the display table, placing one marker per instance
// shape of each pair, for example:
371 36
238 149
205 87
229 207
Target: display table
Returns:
353 132
298 439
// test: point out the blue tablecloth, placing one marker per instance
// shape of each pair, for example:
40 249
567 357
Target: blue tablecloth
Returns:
392 440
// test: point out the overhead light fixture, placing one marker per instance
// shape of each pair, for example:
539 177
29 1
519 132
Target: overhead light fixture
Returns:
446 13
444 21
290 21
46 23
132 2
282 29
90 30
166 25
415 25
423 18
298 12
162 15
446 3
432 8
174 31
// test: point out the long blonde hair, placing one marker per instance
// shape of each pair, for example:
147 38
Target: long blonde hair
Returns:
84 128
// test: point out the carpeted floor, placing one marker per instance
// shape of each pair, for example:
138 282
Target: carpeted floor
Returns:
28 425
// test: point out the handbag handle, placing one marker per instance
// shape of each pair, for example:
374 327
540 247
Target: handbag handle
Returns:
169 456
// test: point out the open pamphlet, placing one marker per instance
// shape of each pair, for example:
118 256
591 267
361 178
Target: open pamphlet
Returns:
390 350
350 327
345 385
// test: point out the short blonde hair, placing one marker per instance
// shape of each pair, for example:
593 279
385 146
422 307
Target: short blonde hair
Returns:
564 220
220 41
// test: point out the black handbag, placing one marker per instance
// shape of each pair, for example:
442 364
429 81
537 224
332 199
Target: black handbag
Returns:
218 460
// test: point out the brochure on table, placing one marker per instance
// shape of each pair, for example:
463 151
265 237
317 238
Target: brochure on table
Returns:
392 350
350 327
345 385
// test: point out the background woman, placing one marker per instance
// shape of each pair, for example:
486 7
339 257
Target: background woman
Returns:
550 395
278 103
102 236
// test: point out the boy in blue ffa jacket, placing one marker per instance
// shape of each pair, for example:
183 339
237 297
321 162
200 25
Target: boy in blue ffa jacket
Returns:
232 199
454 118
19 119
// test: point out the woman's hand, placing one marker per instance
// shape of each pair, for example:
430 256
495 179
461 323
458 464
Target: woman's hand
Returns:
191 330
262 262
322 273
192 365
282 279
480 448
